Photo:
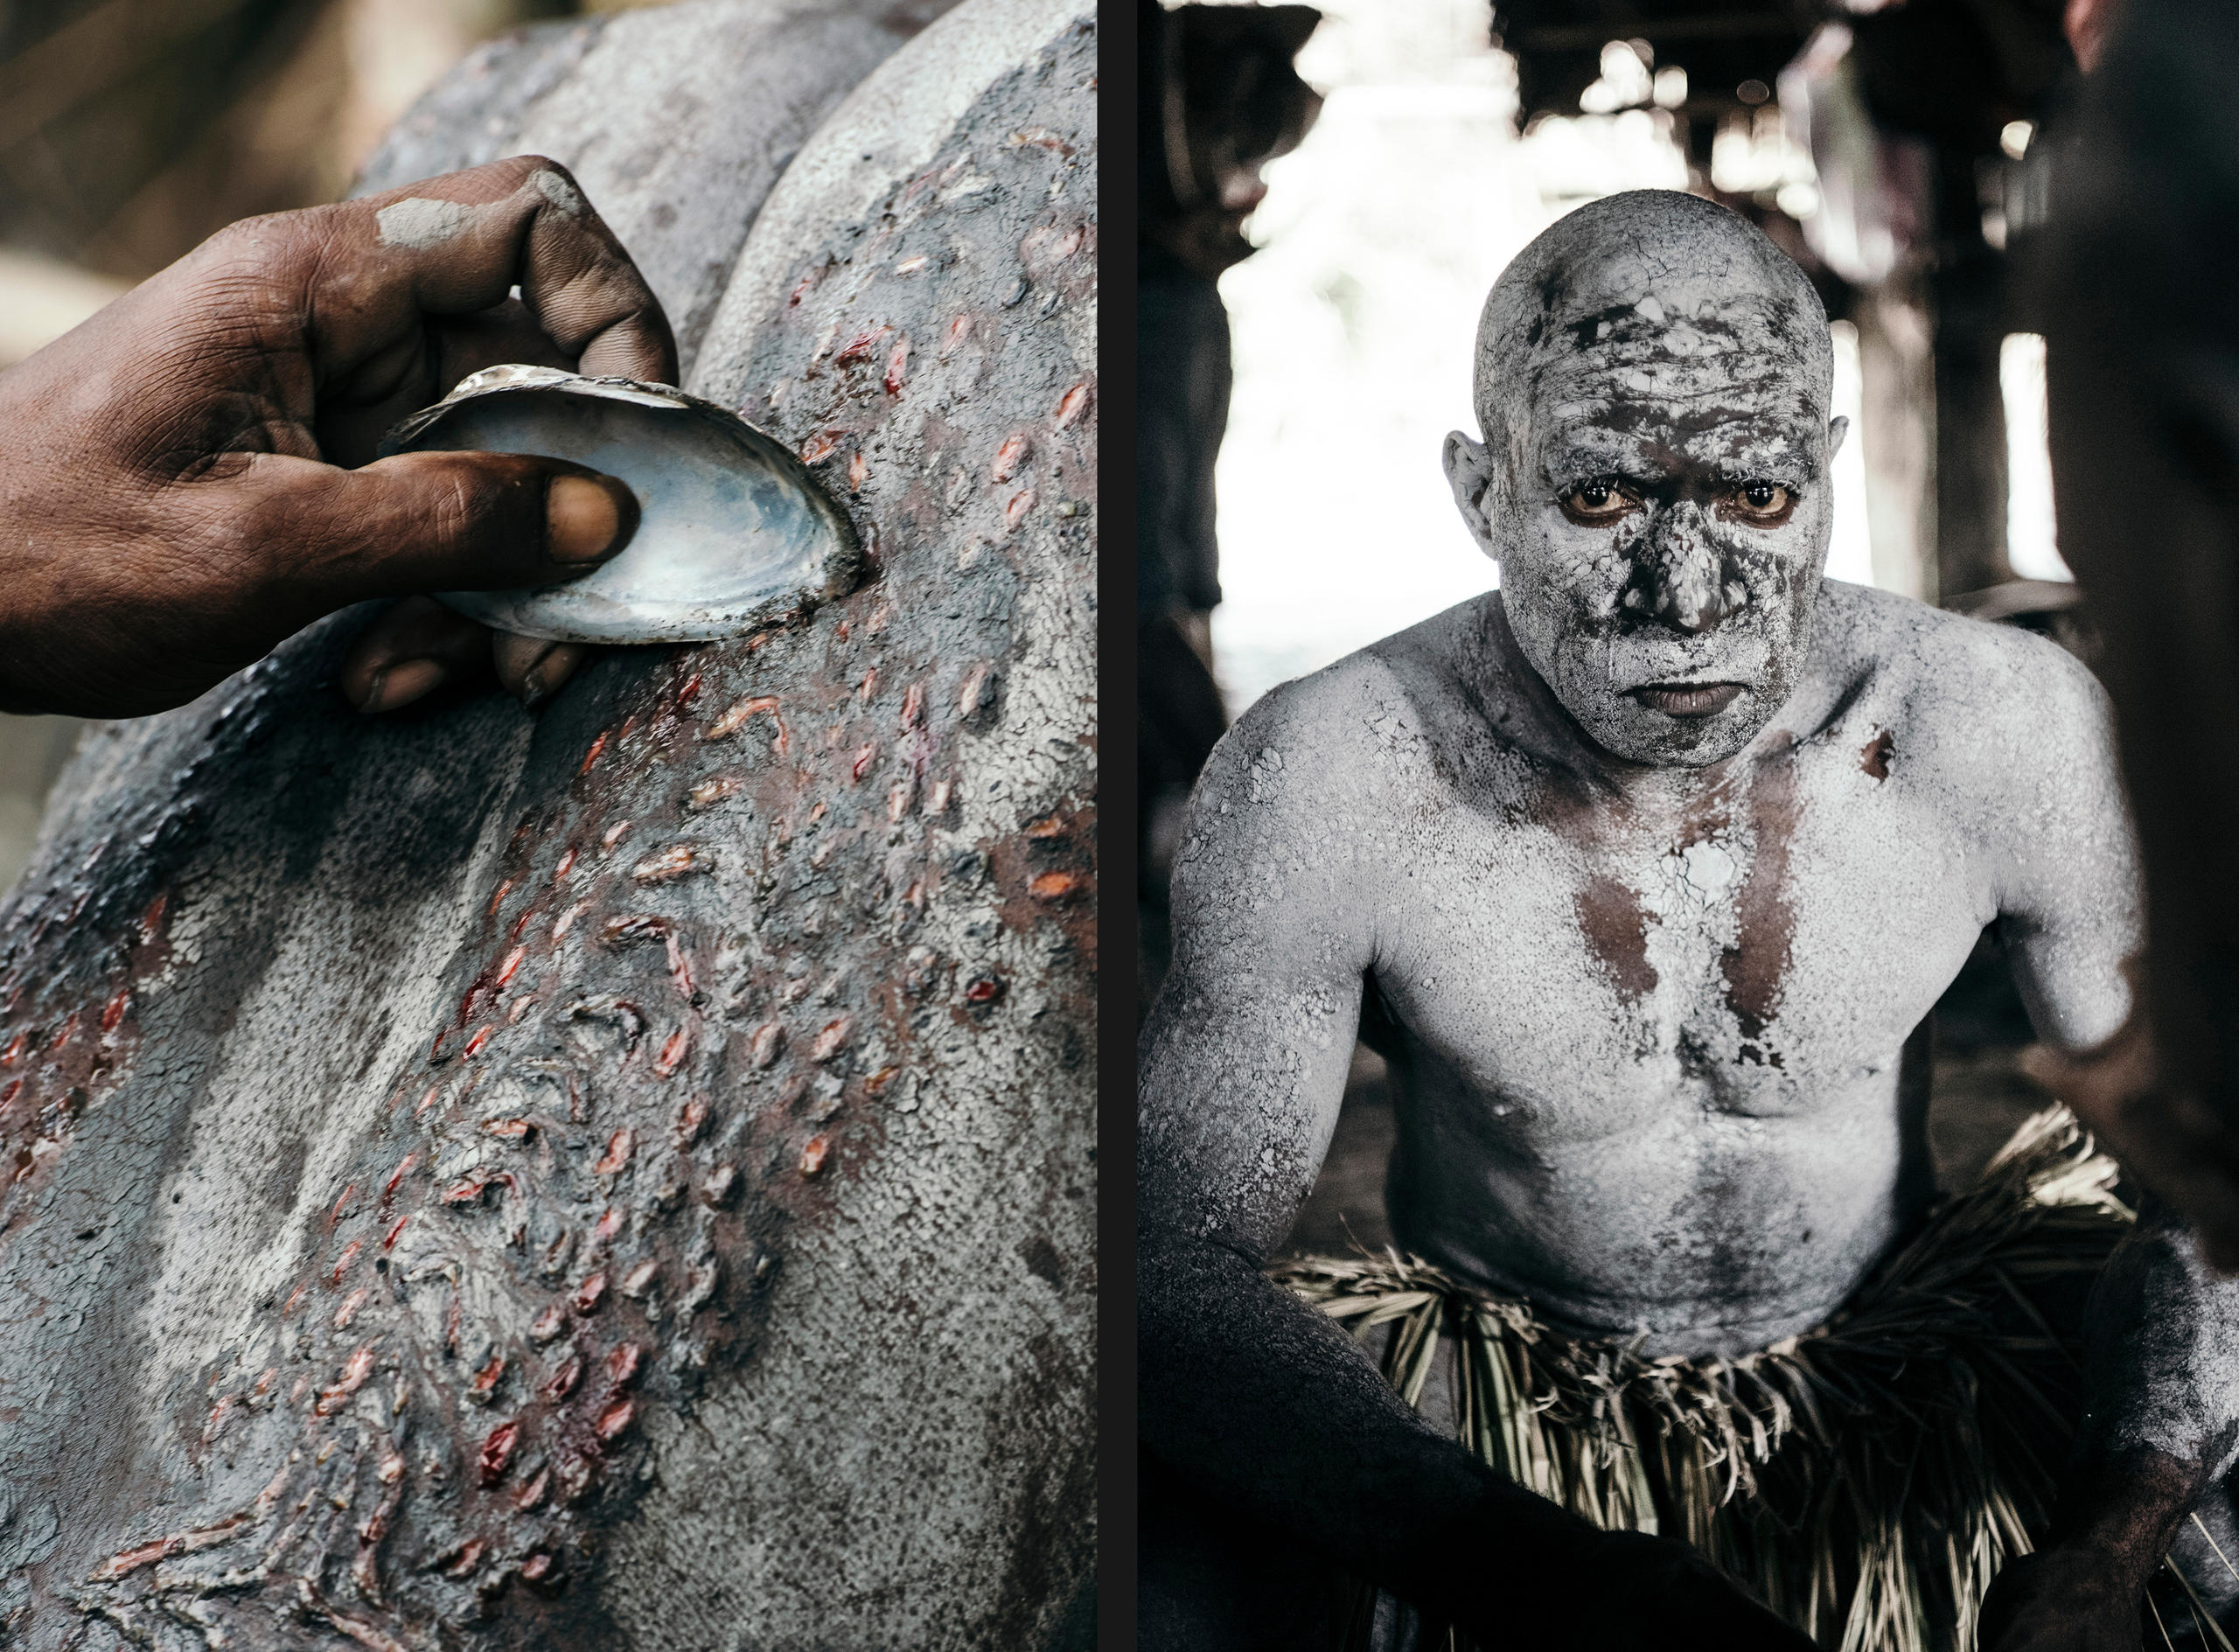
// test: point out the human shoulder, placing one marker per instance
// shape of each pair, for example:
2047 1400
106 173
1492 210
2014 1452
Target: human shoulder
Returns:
1983 703
1363 722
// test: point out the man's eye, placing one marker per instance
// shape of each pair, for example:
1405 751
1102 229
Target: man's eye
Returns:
1761 499
1602 501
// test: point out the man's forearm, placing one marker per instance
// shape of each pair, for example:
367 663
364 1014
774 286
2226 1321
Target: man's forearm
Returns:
2162 1419
1255 1399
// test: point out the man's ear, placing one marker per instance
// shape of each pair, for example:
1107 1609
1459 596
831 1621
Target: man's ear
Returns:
1838 428
1469 470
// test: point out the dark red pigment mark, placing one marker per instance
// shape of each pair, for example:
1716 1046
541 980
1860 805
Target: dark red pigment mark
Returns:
1615 927
1874 760
1756 964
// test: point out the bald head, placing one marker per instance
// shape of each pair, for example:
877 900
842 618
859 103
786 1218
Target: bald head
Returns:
1653 381
1655 280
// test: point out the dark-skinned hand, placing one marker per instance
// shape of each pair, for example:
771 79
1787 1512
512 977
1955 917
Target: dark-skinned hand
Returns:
2058 1600
2167 1138
1657 1593
1615 1591
189 477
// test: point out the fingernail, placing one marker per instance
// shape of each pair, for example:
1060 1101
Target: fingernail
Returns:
584 519
401 684
534 690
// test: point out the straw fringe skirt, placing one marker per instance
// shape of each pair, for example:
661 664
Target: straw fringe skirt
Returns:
1867 1479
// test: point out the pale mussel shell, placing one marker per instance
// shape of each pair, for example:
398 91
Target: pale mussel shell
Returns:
733 534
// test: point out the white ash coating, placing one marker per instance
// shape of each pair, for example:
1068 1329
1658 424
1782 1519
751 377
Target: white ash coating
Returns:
418 223
1649 980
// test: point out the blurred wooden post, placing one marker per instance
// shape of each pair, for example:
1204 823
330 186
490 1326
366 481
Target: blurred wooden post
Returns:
1899 438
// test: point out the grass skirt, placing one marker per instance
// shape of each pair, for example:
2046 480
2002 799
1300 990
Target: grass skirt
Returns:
1867 1479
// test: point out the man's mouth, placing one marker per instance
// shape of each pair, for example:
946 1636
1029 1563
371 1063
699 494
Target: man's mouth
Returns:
1687 699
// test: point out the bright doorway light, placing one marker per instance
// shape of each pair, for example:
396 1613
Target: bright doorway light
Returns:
2031 543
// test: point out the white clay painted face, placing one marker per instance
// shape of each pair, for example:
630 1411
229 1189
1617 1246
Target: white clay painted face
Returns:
1665 511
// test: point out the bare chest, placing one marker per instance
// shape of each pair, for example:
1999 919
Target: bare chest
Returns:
1764 948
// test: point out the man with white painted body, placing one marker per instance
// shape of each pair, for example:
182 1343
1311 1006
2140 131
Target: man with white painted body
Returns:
1650 867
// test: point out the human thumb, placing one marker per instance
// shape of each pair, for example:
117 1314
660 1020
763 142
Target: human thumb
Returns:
430 522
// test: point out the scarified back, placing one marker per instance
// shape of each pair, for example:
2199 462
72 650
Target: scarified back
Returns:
621 1177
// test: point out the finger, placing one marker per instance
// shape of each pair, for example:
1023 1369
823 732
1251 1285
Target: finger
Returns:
410 649
531 668
417 522
350 428
453 244
489 338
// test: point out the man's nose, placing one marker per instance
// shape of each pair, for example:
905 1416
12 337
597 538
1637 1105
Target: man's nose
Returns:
1684 582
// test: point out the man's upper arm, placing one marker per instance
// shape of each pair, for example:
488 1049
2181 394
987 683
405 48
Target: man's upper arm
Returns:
1244 1056
2070 900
